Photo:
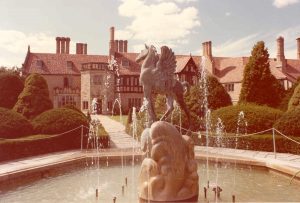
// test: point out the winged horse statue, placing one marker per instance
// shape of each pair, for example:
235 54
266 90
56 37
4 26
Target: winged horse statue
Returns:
157 76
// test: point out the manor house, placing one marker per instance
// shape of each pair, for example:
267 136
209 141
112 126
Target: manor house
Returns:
78 78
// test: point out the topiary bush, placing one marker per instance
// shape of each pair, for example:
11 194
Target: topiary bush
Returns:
258 117
294 101
10 87
58 121
289 123
13 124
34 99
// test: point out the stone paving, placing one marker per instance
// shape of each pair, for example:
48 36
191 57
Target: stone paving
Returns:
123 143
116 130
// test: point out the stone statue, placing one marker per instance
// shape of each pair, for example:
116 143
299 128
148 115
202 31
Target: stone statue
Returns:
157 75
169 173
95 106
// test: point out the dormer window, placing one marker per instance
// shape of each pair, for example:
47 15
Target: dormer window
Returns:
39 63
69 64
125 62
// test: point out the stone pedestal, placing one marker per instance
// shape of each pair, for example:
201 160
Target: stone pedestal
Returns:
169 171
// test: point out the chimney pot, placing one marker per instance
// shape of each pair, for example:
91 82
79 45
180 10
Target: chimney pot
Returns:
204 48
280 49
68 45
58 39
117 45
112 42
125 46
63 45
121 46
85 49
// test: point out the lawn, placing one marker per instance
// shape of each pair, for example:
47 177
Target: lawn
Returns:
121 119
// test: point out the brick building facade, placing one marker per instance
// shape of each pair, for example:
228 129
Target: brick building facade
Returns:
79 78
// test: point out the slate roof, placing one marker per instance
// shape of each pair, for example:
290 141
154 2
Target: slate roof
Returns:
228 69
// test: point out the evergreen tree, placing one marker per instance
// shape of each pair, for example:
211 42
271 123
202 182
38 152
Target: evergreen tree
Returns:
259 85
34 99
10 87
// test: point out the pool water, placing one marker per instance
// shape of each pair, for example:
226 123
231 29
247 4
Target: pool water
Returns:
79 185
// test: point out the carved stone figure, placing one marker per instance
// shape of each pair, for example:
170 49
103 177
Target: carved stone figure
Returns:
169 173
157 75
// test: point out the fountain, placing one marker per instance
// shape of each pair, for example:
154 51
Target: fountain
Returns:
169 172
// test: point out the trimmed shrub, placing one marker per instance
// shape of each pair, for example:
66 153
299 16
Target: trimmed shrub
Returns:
34 98
257 142
287 96
294 101
13 124
258 117
10 87
289 123
58 121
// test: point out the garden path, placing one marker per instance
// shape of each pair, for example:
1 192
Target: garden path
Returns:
119 138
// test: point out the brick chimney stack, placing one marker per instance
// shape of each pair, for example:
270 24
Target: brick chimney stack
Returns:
209 49
121 47
280 49
281 62
58 39
85 49
204 53
68 45
112 42
125 46
298 48
117 45
81 48
207 53
63 45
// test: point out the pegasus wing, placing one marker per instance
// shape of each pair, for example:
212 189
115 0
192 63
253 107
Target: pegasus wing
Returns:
166 64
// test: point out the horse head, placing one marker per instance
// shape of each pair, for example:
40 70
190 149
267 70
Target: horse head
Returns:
145 52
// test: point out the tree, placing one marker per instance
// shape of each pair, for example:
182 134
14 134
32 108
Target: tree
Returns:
217 96
259 85
34 99
10 87
294 102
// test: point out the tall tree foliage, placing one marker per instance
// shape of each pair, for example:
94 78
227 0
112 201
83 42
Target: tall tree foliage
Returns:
10 87
259 85
34 99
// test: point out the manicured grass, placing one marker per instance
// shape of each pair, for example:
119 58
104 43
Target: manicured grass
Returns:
120 119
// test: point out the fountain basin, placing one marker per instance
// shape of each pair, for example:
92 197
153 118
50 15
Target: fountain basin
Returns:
74 181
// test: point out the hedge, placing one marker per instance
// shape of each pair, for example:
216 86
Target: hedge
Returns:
256 142
40 144
58 120
13 124
258 118
289 123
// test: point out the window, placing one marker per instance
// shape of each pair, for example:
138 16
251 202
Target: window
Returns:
134 102
66 82
229 87
69 64
39 63
67 100
97 79
85 105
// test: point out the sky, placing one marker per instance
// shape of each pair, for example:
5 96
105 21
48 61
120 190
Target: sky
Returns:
233 26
